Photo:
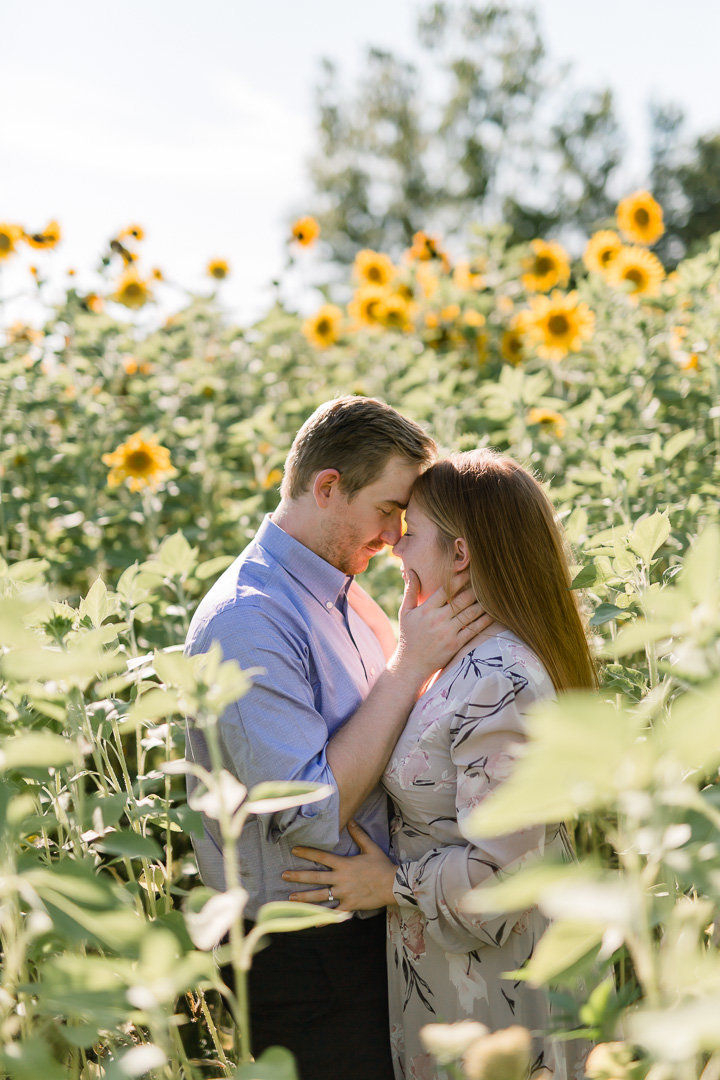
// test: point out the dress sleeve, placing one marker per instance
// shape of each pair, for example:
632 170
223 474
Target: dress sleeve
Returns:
487 728
275 732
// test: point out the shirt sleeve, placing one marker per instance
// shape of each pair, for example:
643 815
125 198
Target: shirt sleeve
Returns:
487 729
275 731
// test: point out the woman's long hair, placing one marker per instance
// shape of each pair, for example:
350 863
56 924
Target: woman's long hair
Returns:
518 565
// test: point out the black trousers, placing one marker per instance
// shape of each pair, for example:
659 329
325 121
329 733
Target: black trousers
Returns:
322 993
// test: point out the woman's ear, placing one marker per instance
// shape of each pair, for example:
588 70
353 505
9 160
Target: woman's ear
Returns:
324 484
461 555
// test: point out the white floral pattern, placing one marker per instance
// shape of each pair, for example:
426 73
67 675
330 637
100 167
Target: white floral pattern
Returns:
444 964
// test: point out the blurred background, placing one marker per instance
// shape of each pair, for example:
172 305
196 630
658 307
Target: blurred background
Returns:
214 126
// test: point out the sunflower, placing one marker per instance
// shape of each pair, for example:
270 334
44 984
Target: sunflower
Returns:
558 324
482 344
133 232
94 303
473 319
141 461
548 420
323 328
9 236
602 247
48 238
512 346
218 269
365 305
306 231
639 268
272 479
394 312
427 248
373 268
131 290
468 276
640 218
548 266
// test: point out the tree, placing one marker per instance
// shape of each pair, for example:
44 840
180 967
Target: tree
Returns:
685 177
473 132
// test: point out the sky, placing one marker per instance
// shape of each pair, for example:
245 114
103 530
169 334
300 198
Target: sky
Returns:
196 120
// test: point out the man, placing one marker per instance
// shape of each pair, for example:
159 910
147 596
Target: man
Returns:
328 707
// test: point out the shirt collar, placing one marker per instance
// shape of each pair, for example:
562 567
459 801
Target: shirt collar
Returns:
326 583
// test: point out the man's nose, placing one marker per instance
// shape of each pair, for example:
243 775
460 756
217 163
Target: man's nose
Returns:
395 538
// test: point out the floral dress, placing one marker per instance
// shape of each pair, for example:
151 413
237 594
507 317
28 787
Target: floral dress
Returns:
445 964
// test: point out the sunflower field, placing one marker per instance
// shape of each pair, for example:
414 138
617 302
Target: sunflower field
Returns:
138 457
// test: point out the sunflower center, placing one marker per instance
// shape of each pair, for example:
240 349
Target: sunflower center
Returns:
4 242
641 216
374 273
139 462
543 265
133 290
558 324
514 345
606 255
635 276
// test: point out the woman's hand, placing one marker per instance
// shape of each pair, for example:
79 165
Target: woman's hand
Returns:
357 882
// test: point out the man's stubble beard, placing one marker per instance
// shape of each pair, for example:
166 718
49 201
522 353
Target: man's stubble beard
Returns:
343 549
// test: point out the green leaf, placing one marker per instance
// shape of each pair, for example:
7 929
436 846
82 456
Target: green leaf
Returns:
649 534
560 949
154 705
176 557
130 844
30 1060
699 578
605 613
96 605
275 1063
679 442
38 750
281 916
213 567
691 735
272 796
525 888
580 749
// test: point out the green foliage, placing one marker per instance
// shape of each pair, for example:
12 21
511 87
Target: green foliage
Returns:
106 932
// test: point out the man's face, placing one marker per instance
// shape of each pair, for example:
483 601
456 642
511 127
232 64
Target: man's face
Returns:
356 529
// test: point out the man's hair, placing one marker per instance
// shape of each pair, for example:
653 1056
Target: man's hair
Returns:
357 436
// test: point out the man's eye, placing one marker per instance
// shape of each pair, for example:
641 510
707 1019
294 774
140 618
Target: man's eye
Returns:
386 513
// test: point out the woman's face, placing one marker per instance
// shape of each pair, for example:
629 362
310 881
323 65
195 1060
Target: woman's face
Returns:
420 551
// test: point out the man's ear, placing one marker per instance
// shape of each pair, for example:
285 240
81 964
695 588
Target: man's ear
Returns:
461 554
324 486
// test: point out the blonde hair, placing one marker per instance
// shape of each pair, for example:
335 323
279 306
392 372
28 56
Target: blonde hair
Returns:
357 436
518 565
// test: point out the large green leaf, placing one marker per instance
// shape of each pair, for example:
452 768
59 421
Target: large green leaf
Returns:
39 750
275 1063
578 756
563 946
649 534
275 795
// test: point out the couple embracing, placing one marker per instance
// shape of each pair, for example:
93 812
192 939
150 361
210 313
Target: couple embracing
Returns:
487 627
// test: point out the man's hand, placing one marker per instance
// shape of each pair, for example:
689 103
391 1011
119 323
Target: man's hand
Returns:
433 632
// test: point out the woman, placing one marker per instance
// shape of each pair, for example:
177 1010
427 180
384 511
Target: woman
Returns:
484 513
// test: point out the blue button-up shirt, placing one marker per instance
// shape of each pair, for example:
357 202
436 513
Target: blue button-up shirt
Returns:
282 608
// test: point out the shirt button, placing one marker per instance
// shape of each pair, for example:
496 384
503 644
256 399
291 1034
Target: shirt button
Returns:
329 605
372 670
